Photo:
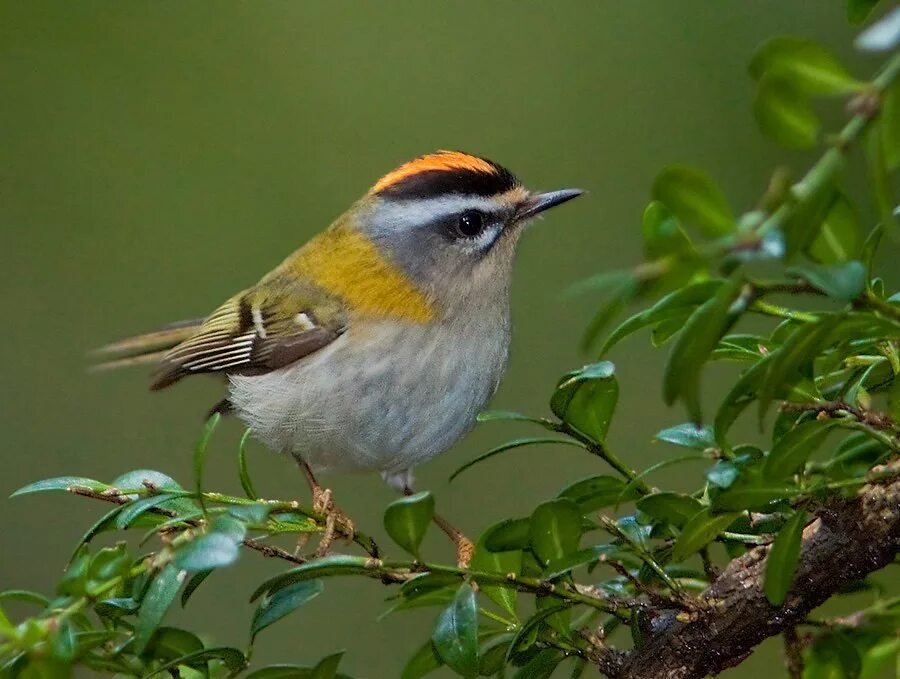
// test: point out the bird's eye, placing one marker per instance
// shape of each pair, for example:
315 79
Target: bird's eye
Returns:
470 223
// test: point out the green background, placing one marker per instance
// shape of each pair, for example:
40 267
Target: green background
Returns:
157 156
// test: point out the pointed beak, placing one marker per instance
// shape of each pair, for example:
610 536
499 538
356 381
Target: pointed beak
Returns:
539 202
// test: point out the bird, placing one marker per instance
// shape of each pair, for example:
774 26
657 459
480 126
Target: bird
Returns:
374 346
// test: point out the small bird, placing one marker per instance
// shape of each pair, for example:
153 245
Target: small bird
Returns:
374 346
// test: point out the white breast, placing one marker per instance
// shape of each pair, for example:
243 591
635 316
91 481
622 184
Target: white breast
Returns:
384 397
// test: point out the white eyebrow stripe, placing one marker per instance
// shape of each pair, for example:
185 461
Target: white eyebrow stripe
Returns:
412 214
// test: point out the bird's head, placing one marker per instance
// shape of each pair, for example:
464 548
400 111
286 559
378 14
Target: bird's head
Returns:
450 221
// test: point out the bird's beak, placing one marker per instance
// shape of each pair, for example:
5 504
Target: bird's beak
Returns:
538 202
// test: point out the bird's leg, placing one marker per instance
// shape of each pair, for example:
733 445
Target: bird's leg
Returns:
335 519
465 548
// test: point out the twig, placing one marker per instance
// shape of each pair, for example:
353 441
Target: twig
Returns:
793 653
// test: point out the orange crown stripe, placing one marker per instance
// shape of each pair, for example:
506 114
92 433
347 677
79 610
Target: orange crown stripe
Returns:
442 161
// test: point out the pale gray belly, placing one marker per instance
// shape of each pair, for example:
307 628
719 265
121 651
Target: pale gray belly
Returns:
384 397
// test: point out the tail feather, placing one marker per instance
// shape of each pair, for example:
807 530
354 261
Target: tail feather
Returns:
143 349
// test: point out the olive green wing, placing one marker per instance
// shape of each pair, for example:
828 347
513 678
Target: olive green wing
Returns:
261 329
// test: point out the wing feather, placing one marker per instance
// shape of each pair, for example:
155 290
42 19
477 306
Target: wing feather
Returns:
261 329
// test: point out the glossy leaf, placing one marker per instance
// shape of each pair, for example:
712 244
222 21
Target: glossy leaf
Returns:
838 239
406 520
751 496
696 342
669 507
555 529
583 557
793 359
508 535
60 483
674 305
200 454
785 115
699 531
792 451
326 566
206 552
844 282
509 562
192 585
694 199
232 658
802 64
783 558
273 607
662 233
455 634
528 632
160 594
243 471
586 399
133 510
596 492
512 445
688 435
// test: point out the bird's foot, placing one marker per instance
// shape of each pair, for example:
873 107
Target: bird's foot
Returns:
337 523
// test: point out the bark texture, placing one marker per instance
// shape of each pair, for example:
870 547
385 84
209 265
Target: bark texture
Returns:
848 540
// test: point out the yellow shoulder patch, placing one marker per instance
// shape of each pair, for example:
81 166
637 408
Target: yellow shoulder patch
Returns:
346 263
440 161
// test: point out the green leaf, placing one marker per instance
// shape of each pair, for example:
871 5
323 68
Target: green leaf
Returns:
406 520
583 557
688 435
803 64
542 665
669 507
859 10
785 115
890 122
326 566
596 492
455 634
662 233
555 529
699 531
750 496
792 451
206 552
676 304
25 596
700 336
280 603
60 483
506 416
160 594
243 471
838 239
424 661
192 585
586 399
171 642
511 445
793 359
783 559
200 455
232 658
528 632
498 562
508 535
101 525
492 655
695 200
133 510
844 282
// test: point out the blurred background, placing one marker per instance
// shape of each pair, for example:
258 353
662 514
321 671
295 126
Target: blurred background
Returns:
156 157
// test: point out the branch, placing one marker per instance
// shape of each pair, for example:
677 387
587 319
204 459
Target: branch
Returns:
849 539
